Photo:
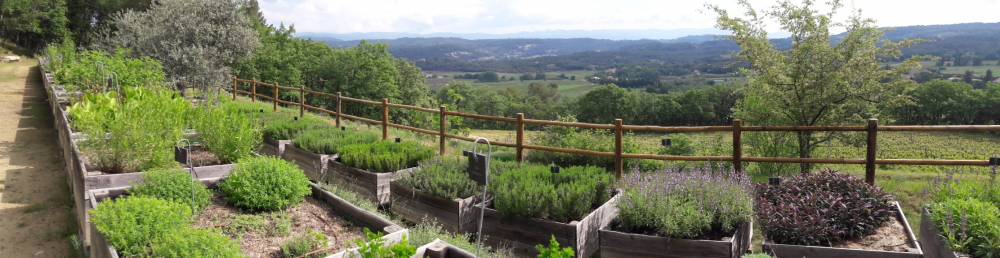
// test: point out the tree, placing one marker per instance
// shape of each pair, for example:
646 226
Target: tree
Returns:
989 76
967 78
540 76
197 41
33 23
817 81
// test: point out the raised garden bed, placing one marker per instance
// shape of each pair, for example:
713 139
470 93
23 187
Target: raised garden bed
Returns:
622 244
273 147
323 212
522 234
931 240
455 215
315 165
441 249
369 184
895 239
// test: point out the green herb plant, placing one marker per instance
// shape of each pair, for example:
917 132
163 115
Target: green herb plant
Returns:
226 132
189 242
373 246
130 224
265 184
384 156
553 250
301 245
326 140
174 185
532 191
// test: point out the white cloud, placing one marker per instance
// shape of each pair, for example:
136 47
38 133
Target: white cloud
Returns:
499 16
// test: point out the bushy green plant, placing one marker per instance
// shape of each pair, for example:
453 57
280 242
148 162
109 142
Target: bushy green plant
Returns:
532 191
971 226
302 244
130 224
384 156
445 177
89 71
950 189
137 134
553 250
58 55
195 243
288 127
266 184
687 204
821 208
326 140
227 133
562 137
373 246
174 185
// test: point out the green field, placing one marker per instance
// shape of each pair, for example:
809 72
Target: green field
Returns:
567 88
979 71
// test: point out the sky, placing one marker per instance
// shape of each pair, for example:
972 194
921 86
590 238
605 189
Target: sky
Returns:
515 16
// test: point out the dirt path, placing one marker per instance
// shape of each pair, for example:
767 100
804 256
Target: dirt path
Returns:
35 203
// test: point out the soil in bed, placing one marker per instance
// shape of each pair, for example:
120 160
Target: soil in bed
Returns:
261 234
890 237
201 157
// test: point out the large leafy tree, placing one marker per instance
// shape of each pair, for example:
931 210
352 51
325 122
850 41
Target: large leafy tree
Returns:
820 80
197 41
33 23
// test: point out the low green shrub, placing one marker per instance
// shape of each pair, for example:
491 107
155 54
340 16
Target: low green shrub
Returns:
447 178
553 250
532 191
131 224
288 127
821 209
265 184
227 133
690 204
324 140
195 243
89 71
384 156
971 226
136 134
562 137
373 246
174 185
302 244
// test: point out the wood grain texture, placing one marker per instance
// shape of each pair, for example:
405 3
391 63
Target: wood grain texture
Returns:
416 206
622 244
369 184
314 165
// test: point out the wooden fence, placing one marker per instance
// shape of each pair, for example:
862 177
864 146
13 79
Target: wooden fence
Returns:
618 127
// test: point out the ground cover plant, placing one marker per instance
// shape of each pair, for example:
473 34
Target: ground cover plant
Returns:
137 133
968 216
695 204
173 185
553 250
821 208
373 246
130 224
533 191
325 140
302 244
227 132
265 184
384 156
191 242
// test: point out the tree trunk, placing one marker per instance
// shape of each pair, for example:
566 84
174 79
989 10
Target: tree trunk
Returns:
805 149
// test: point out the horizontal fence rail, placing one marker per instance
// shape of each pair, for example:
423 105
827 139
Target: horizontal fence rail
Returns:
871 130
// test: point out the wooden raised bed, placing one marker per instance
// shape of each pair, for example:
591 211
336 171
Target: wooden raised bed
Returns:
393 233
623 244
522 234
455 215
374 186
273 147
441 249
782 250
934 245
315 165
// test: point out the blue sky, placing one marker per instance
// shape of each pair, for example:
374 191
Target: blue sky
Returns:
512 16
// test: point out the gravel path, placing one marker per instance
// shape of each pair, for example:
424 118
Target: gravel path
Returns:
35 203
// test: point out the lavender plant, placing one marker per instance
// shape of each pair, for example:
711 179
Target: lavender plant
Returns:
822 209
690 204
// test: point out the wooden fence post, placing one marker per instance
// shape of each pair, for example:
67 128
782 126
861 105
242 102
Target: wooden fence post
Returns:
302 100
737 145
520 138
339 110
275 99
234 87
619 163
385 119
253 91
443 128
872 149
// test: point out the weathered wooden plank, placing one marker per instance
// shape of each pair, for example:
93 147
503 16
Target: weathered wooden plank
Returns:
782 250
522 234
314 165
931 241
622 244
441 249
273 148
369 184
416 206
